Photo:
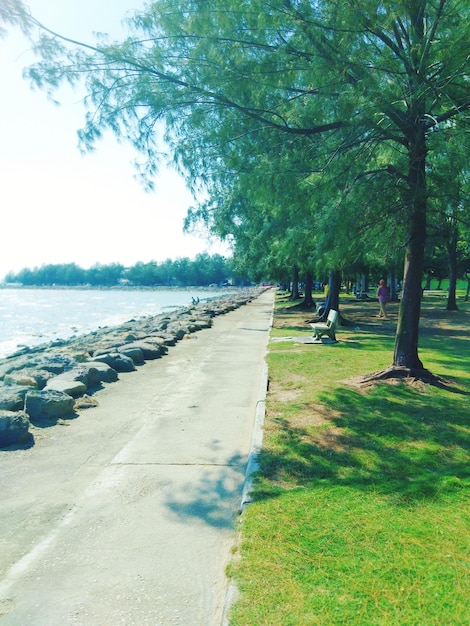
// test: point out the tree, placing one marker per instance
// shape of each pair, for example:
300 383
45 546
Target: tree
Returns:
14 12
203 270
449 206
371 82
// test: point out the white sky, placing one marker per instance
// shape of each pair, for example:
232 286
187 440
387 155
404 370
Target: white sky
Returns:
57 206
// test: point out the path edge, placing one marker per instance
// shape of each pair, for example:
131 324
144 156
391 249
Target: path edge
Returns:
252 465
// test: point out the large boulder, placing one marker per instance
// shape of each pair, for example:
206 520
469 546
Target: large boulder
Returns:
48 404
14 428
170 339
66 384
134 353
86 373
20 378
28 377
105 373
116 360
55 363
76 381
176 330
149 350
12 397
202 322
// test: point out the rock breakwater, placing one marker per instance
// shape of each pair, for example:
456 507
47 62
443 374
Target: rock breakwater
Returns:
57 380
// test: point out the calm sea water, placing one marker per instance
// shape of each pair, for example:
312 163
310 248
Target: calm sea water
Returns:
30 317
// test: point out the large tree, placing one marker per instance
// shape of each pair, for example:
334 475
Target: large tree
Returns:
360 79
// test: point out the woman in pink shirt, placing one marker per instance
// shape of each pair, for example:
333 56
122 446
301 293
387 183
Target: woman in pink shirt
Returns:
383 296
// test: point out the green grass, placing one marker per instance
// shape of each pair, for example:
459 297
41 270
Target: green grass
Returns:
362 508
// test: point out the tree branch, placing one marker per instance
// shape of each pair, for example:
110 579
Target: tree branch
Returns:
257 114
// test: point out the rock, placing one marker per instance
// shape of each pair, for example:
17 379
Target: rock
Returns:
119 362
48 404
170 340
51 363
156 338
176 330
21 378
85 373
149 350
12 397
106 373
200 323
133 353
89 374
73 388
77 380
14 428
55 363
81 357
103 347
36 378
86 402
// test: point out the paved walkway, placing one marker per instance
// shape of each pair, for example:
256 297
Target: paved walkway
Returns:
125 515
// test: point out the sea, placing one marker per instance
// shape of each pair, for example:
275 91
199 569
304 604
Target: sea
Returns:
32 317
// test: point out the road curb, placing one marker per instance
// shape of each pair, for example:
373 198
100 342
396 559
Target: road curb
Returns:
257 440
252 466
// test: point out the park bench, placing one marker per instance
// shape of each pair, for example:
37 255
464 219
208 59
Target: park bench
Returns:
326 328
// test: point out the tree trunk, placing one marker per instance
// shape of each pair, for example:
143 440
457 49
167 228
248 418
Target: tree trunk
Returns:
332 300
308 300
295 283
452 252
406 339
392 285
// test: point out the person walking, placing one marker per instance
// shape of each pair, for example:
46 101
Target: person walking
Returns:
384 296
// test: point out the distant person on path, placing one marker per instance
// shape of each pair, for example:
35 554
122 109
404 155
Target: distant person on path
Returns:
384 296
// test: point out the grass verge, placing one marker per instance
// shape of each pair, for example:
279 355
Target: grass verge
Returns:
361 508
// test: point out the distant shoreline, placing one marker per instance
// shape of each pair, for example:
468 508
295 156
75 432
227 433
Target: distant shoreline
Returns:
124 288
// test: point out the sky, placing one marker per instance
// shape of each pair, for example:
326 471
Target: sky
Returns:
58 206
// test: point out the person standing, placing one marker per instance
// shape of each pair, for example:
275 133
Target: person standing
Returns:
384 296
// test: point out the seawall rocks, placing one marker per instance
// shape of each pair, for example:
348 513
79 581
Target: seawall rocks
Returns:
54 381
14 427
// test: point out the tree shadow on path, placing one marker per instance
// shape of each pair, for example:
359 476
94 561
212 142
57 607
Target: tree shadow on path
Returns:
214 495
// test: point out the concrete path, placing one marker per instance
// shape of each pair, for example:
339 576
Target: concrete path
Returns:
125 515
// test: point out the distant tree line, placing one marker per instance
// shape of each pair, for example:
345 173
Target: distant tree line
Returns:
204 270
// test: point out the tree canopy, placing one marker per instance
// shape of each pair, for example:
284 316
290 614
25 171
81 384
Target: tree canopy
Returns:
312 125
14 12
202 271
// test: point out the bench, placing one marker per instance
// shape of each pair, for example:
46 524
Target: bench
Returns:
326 328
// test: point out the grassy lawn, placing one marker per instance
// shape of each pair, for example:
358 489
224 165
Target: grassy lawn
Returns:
361 512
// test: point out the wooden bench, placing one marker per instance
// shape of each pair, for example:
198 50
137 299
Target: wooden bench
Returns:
326 328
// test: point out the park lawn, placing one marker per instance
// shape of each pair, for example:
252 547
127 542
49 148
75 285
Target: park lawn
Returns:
361 511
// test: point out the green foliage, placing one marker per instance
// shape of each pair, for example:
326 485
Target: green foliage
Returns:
204 270
311 128
13 12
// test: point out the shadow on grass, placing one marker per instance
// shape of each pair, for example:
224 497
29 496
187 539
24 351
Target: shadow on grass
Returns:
392 440
409 442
